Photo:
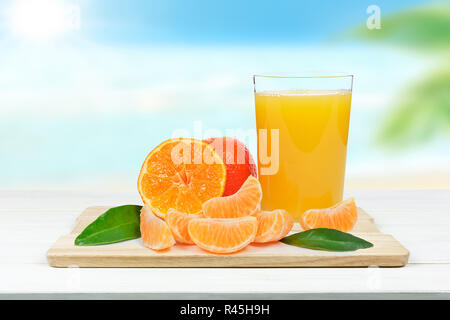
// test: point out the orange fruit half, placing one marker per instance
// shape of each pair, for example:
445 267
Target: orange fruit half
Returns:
181 174
155 233
273 225
223 235
342 216
178 223
243 203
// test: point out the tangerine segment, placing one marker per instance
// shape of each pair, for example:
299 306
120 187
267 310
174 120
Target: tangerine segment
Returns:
243 203
181 174
178 223
273 225
155 233
342 216
223 235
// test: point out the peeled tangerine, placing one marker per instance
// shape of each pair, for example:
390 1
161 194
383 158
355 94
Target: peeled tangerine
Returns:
342 216
273 225
181 174
155 232
223 235
178 223
243 203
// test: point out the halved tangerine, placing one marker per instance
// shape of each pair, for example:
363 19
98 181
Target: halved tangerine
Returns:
181 174
178 223
342 216
155 233
223 235
273 225
243 203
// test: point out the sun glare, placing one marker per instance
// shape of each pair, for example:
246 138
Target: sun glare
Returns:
39 19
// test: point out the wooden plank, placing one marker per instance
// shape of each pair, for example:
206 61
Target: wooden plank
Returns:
386 252
33 220
37 280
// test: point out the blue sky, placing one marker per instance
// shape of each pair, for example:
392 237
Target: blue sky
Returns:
225 22
199 22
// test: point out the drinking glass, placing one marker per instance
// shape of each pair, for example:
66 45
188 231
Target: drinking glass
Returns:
302 125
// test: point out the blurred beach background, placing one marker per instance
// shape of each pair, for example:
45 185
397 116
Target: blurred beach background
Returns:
89 87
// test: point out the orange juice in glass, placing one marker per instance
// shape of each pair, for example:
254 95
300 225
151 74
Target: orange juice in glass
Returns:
303 122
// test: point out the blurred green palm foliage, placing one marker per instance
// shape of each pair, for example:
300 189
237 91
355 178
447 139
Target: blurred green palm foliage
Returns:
423 110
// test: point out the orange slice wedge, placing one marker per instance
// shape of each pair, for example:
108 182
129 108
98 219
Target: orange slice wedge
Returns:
181 174
243 203
273 225
155 233
223 235
178 223
342 216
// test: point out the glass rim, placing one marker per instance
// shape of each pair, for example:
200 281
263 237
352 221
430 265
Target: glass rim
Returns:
343 75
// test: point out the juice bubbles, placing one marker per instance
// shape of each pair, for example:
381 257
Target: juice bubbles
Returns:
313 132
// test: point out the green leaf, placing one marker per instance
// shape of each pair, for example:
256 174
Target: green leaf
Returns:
115 225
423 28
327 239
423 112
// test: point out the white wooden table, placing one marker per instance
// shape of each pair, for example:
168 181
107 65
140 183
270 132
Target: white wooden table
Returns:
32 220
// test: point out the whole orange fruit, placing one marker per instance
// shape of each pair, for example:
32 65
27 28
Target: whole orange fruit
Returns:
238 161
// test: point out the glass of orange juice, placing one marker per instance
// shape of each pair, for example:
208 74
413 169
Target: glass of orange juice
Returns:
302 125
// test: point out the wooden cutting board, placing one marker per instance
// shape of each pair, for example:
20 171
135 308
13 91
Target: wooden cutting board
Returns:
386 252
